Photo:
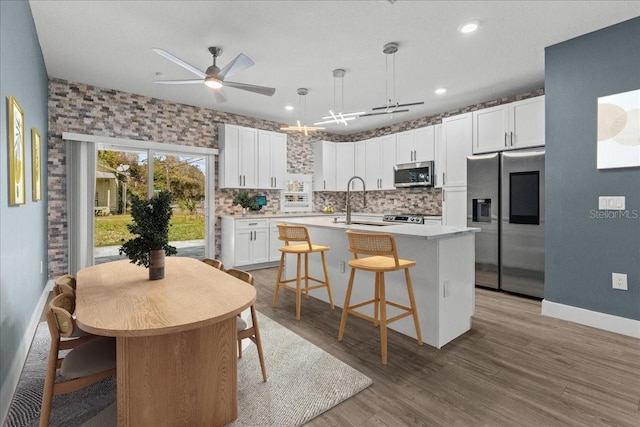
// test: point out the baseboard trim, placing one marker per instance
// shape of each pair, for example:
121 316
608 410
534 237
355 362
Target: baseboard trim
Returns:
20 357
607 322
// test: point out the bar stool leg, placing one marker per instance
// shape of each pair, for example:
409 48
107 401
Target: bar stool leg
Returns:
278 280
376 301
412 302
298 289
326 279
347 301
383 320
306 275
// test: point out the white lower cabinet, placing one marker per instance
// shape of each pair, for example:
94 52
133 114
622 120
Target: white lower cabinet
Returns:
274 242
244 241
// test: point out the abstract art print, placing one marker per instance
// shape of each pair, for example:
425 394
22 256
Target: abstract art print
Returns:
619 130
16 153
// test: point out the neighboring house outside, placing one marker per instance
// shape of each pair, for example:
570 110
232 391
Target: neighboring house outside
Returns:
106 200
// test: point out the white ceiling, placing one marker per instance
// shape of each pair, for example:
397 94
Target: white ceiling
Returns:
298 43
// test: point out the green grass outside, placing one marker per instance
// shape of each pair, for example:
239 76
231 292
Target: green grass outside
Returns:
110 230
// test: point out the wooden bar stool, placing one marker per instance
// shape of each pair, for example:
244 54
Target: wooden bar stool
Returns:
382 257
299 233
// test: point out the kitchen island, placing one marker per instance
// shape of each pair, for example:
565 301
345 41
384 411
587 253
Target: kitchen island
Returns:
443 278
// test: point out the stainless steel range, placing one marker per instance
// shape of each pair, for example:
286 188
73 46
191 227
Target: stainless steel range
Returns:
404 219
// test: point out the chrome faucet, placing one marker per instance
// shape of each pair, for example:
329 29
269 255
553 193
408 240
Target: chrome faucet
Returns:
364 197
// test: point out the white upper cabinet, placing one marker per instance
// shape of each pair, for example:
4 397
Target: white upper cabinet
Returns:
324 166
272 155
345 158
416 145
456 142
359 164
380 158
509 126
439 159
238 160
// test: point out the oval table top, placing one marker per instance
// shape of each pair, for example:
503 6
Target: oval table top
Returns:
118 299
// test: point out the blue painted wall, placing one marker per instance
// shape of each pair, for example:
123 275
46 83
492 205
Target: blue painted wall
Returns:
582 249
23 228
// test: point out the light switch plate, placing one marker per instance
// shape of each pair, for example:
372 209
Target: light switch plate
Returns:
611 203
619 281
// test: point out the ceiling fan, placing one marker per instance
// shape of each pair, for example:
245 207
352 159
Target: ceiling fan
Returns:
215 77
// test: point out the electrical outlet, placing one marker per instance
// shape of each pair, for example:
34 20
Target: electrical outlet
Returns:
619 281
341 266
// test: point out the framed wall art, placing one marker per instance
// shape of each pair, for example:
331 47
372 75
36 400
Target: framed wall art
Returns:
619 130
36 162
16 153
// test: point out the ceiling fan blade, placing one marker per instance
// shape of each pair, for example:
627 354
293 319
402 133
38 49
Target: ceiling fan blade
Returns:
262 90
383 112
239 63
179 82
219 96
398 105
179 62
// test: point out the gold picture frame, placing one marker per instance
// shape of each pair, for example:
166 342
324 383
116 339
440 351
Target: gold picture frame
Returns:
36 164
16 153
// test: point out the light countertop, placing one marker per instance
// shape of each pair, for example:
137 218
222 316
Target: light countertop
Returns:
340 215
420 231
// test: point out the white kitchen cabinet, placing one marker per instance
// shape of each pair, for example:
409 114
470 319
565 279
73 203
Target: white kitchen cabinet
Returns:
380 158
454 206
272 155
359 164
416 145
439 161
324 166
509 126
456 142
274 241
244 241
238 159
345 163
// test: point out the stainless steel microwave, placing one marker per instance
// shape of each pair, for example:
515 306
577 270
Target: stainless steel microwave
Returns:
416 174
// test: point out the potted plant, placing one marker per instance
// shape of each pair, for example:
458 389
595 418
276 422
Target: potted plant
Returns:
242 198
151 225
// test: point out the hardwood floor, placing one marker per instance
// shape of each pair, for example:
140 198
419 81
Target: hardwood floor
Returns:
515 367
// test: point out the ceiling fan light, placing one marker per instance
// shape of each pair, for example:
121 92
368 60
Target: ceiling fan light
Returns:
212 82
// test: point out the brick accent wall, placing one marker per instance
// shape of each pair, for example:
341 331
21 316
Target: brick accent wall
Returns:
86 109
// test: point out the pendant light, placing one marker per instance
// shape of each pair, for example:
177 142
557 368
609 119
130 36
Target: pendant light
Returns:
300 127
339 117
392 106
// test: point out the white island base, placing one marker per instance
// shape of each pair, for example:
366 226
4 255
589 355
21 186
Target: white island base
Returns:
443 278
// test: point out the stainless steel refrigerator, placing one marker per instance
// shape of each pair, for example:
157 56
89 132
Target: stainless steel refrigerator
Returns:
505 199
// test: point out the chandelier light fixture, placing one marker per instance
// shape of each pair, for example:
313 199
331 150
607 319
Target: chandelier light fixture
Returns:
339 117
300 127
391 106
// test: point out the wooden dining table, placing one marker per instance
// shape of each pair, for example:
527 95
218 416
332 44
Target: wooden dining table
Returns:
175 338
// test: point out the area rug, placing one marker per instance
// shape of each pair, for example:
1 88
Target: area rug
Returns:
304 381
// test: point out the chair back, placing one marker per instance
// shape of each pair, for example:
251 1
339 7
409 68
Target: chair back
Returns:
294 233
214 263
59 318
242 275
372 244
66 283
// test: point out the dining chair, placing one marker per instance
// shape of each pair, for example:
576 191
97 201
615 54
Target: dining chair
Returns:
66 283
244 330
214 263
90 359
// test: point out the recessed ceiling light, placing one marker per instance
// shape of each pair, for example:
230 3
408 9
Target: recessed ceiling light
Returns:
289 107
469 27
441 90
